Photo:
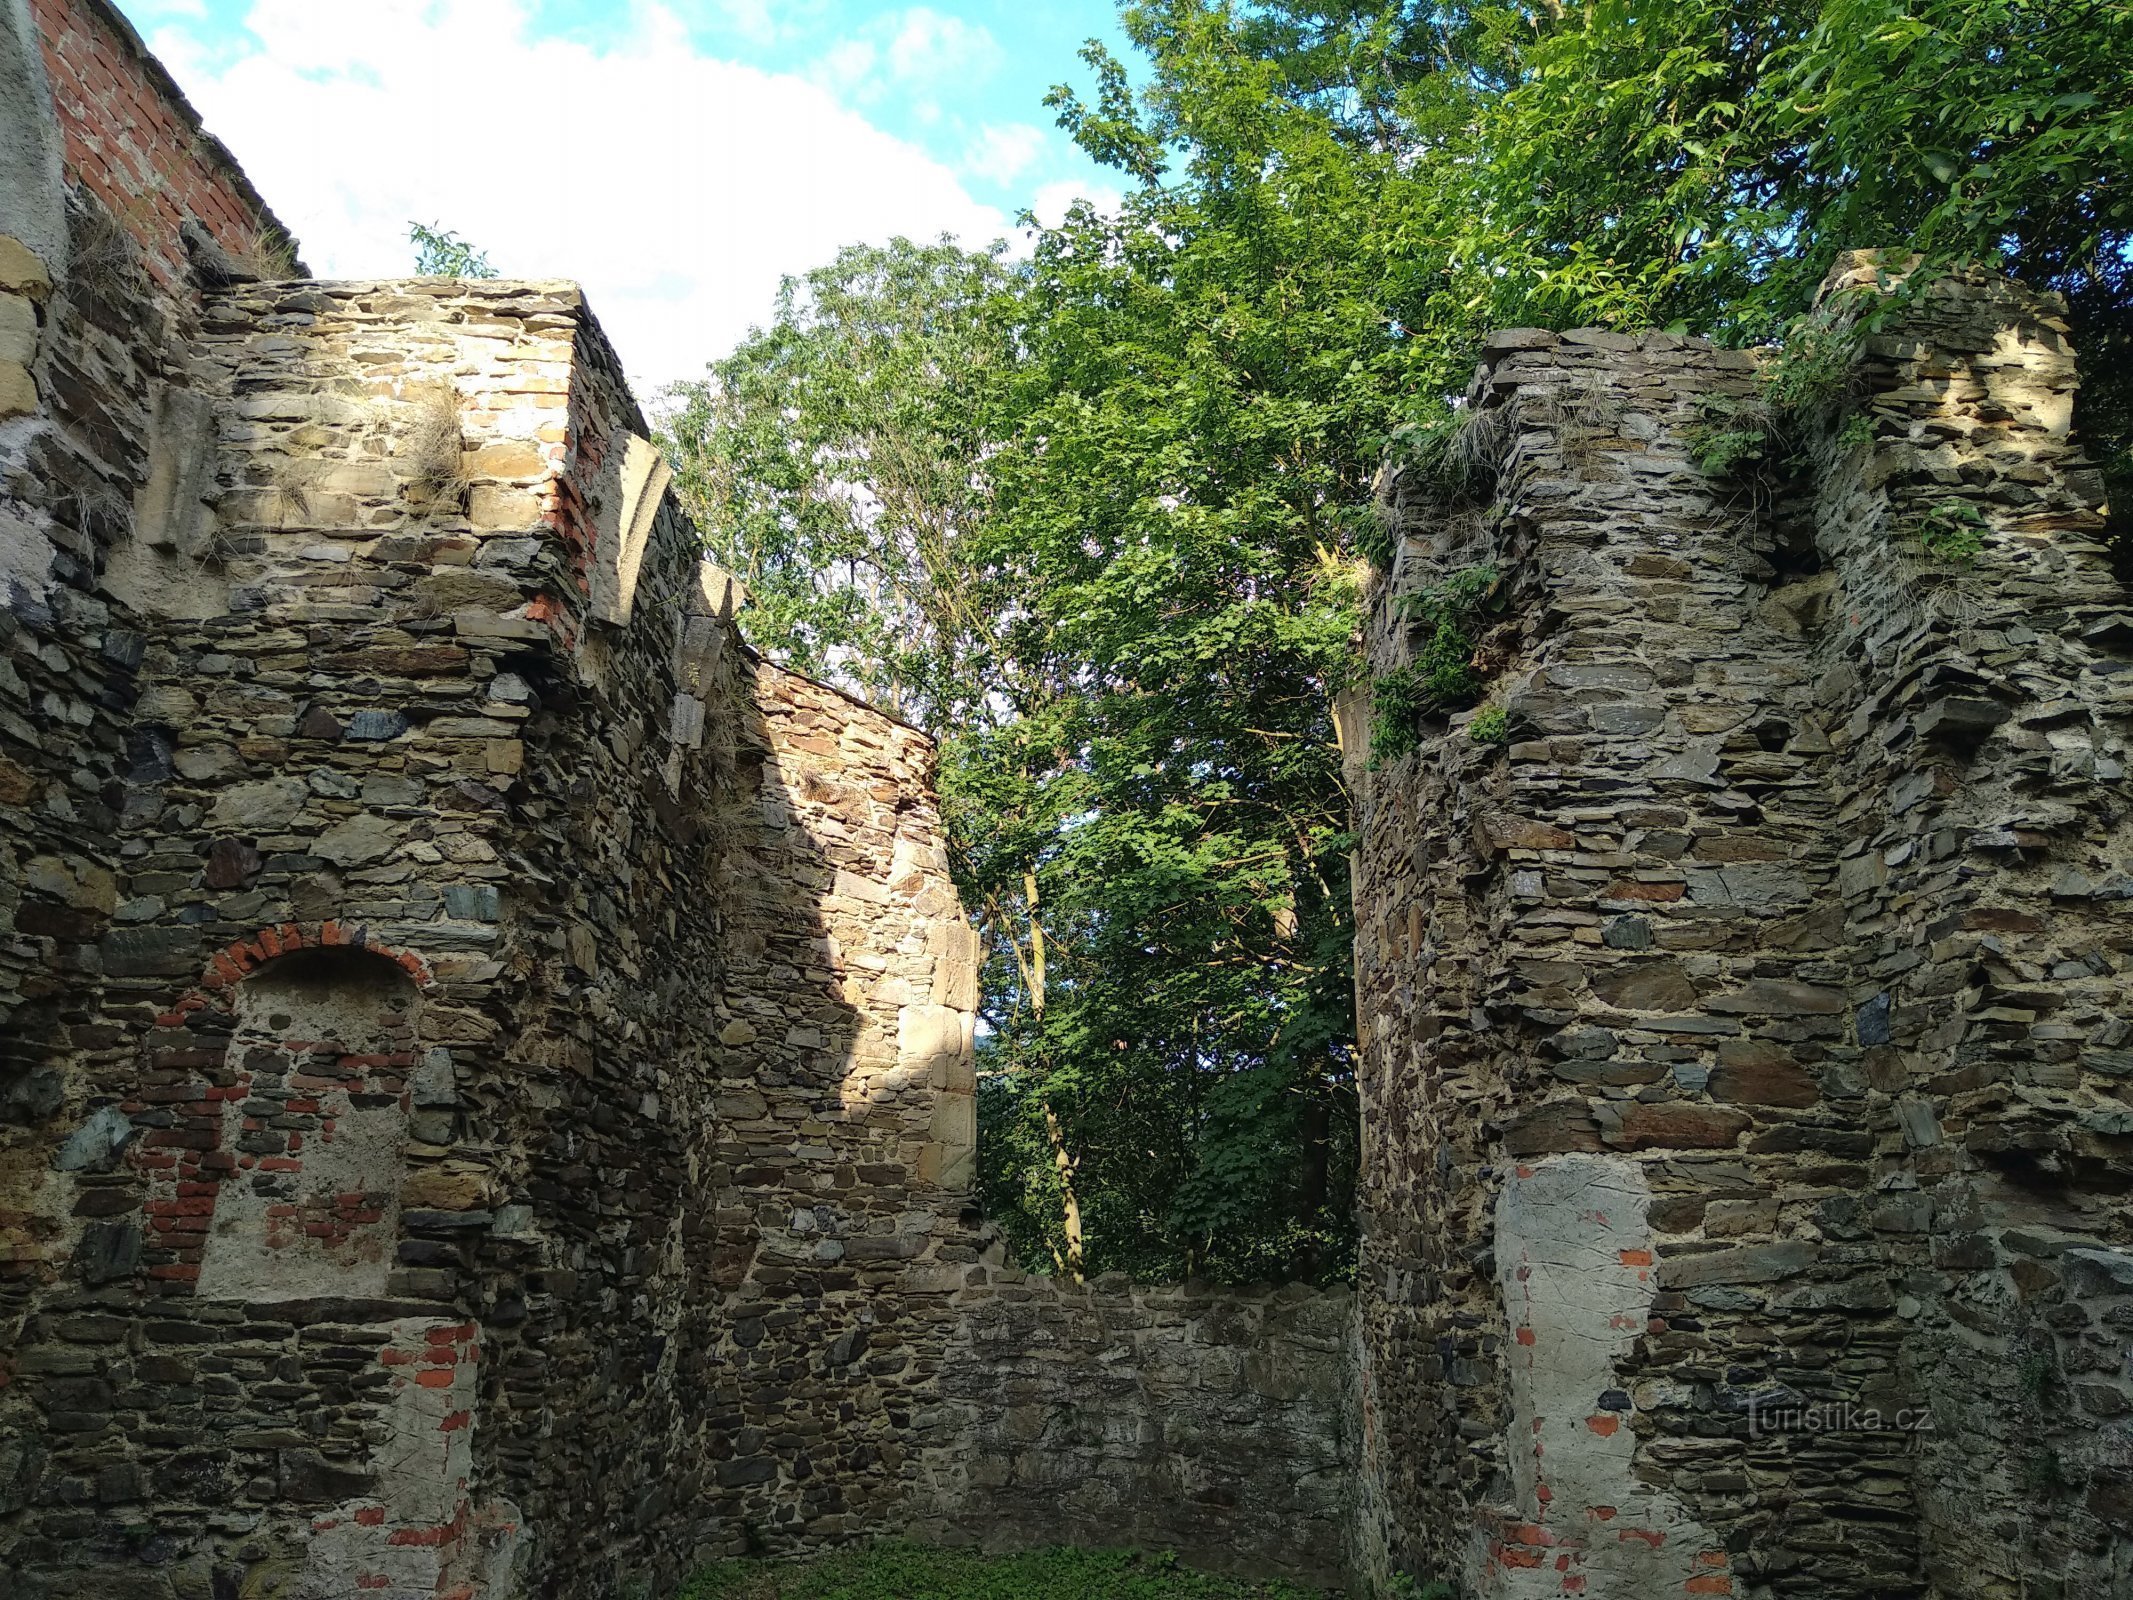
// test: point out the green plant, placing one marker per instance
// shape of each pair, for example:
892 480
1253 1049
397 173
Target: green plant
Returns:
1953 530
1404 1587
1398 703
1370 533
1812 369
1489 725
1858 429
441 253
1441 677
1455 454
1736 438
1723 452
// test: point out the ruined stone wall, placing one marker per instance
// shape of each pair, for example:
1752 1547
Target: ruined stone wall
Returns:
486 1098
1745 1130
1209 1421
385 1207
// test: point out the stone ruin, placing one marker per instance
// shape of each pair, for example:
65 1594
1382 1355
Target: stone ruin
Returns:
486 1099
1748 1106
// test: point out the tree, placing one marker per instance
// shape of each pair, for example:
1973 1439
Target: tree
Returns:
1095 518
931 488
441 253
1694 163
836 461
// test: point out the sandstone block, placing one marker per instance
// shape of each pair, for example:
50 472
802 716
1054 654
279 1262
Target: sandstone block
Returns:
18 390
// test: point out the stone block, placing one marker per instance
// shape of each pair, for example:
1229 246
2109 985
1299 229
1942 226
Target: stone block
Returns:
1740 1264
152 952
18 391
21 272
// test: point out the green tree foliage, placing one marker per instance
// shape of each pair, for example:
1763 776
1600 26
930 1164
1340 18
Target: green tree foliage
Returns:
836 461
1097 517
441 253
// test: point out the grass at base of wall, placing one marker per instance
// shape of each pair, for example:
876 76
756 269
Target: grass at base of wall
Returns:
912 1572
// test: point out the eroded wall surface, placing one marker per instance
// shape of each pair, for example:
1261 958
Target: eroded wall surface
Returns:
1746 1130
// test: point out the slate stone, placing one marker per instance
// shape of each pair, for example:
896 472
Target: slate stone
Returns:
151 952
1779 997
319 723
231 863
94 1146
108 1252
1740 1264
1872 1020
376 726
1645 986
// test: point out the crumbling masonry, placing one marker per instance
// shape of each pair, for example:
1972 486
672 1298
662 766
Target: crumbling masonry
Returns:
1748 1109
485 1060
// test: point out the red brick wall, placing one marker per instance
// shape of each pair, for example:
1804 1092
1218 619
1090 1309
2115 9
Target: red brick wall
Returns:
134 142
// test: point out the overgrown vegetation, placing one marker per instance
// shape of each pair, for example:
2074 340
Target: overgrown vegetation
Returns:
1732 438
1954 531
272 253
910 1572
1442 676
1098 514
441 253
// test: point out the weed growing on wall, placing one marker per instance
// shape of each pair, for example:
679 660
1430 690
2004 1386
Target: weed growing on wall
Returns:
1733 438
1442 676
441 253
1489 725
1953 531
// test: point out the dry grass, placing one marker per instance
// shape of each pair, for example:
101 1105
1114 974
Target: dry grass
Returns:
272 254
432 454
103 259
1581 416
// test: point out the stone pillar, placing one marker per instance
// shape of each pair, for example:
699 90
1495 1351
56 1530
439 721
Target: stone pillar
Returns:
1739 1039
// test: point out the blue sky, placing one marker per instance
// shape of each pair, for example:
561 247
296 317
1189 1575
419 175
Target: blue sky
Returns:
675 155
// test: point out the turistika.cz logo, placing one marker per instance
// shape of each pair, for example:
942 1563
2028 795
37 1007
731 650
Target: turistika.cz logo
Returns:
1768 1414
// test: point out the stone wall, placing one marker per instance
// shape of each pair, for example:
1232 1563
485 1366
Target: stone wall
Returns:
1746 1129
486 1096
1208 1421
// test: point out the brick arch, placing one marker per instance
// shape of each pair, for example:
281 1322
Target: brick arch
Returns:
240 958
199 1149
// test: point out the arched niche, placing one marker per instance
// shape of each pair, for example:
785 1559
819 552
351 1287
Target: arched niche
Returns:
325 1043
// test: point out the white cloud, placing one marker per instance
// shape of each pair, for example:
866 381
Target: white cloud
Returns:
927 47
751 19
676 187
918 53
1004 152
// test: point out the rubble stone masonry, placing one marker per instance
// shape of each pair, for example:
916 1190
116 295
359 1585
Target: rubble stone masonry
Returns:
486 1098
486 1062
1745 1082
